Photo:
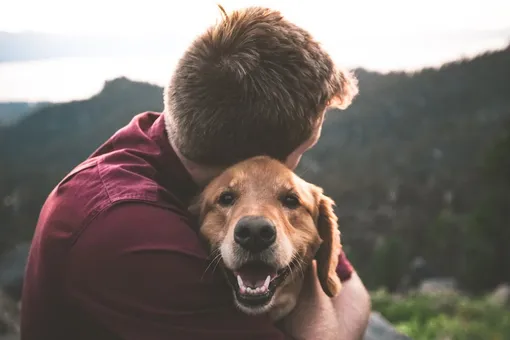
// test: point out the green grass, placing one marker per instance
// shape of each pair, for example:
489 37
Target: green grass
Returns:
444 317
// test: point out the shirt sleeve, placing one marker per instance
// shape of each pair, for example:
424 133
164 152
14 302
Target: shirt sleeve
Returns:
344 268
141 273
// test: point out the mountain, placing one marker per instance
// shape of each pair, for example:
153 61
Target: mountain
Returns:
12 112
416 165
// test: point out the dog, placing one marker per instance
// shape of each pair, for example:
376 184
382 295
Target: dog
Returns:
265 225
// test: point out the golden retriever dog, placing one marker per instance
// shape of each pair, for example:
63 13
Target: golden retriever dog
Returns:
265 225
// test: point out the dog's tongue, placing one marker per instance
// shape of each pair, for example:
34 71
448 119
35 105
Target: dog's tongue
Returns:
255 274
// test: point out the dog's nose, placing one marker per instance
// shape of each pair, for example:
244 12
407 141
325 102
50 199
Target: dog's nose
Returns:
254 233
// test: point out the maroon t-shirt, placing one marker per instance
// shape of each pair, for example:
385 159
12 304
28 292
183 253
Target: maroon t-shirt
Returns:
116 256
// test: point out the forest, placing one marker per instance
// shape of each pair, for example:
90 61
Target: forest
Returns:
419 167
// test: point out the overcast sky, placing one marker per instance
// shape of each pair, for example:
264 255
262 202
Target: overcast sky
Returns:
380 33
361 16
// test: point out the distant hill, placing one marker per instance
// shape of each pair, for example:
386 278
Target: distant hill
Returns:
12 112
406 164
60 135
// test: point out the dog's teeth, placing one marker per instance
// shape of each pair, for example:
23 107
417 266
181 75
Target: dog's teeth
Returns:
262 289
266 283
240 281
242 287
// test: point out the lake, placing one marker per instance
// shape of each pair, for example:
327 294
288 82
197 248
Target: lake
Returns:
59 80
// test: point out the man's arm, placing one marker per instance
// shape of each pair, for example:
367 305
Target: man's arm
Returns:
352 307
138 272
317 316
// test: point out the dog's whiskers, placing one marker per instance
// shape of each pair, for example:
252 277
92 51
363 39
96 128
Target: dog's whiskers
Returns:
301 269
299 264
217 259
217 263
304 170
215 252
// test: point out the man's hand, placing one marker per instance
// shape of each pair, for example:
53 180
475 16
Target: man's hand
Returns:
314 316
318 316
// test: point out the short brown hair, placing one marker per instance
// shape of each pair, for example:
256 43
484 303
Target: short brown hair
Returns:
252 84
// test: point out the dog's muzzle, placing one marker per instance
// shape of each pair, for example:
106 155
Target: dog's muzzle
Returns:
254 233
256 278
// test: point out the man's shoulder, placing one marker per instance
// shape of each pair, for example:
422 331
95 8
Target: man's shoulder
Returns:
93 186
129 204
144 226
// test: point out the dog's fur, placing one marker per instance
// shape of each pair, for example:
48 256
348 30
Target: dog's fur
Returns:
261 186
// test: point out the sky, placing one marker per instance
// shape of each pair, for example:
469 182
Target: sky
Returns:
388 16
380 35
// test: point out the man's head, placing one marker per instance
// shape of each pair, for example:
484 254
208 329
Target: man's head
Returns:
253 84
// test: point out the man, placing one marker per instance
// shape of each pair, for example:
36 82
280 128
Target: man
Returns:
116 254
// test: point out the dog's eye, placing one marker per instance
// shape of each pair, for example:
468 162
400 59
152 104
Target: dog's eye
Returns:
226 199
290 201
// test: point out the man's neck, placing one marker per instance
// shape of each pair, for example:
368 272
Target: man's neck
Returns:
200 174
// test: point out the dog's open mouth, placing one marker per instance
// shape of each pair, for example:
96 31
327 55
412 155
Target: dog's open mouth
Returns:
254 283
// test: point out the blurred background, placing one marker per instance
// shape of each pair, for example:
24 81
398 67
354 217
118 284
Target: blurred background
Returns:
419 165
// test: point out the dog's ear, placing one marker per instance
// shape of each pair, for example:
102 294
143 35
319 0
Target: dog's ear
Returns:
195 207
329 251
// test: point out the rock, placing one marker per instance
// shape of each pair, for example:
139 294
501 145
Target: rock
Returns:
381 329
12 270
500 296
9 337
438 285
9 315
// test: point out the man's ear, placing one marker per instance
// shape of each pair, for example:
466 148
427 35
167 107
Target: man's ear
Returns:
327 255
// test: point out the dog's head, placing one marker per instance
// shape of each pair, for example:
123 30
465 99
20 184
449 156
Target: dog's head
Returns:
266 224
